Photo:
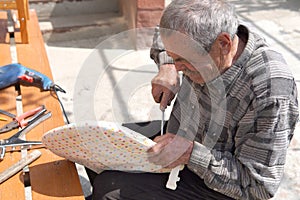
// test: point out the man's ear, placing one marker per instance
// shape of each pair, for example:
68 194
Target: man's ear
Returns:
224 42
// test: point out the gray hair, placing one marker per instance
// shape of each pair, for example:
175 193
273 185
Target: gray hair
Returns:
202 20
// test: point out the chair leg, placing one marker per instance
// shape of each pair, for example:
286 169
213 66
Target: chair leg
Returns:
23 17
26 6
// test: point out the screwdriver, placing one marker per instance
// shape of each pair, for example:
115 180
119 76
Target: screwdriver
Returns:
162 117
162 122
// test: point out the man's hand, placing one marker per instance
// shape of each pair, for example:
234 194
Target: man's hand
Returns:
170 151
165 85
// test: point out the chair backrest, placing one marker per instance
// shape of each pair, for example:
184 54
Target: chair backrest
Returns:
22 6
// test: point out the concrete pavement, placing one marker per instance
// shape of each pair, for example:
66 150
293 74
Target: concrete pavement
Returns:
278 21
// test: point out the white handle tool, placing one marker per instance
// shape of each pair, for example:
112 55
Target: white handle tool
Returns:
19 165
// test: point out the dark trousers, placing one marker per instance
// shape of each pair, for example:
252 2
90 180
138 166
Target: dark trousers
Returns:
113 185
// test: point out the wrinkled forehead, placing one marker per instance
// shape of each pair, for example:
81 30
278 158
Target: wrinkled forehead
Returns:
181 44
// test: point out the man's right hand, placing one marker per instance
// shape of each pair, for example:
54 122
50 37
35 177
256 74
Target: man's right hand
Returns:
165 85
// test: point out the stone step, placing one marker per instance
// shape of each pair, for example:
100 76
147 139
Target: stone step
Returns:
74 22
53 8
87 30
82 20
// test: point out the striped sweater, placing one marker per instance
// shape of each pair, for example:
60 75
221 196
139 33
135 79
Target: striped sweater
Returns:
241 122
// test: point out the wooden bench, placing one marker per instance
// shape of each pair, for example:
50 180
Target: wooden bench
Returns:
51 177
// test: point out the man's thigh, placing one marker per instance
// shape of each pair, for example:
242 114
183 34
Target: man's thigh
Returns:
146 186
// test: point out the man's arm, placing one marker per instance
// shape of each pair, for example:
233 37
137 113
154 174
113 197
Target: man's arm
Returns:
255 169
158 52
165 84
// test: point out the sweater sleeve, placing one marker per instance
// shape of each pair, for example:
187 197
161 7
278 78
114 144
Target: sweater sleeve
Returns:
158 52
256 167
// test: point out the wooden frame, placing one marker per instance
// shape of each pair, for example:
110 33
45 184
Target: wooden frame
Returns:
22 6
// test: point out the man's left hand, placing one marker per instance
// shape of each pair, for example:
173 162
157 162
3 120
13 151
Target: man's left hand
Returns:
170 150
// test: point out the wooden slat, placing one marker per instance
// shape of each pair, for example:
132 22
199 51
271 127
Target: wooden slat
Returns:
23 16
23 5
51 176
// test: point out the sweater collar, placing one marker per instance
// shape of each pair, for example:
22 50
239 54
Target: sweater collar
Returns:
223 83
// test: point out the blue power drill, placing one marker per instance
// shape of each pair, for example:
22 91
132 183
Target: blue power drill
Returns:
16 73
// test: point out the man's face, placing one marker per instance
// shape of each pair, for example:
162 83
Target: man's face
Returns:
190 59
196 74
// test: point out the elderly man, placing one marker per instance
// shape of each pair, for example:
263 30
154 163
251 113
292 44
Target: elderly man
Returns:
233 117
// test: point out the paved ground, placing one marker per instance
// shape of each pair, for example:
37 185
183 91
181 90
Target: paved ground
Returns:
277 20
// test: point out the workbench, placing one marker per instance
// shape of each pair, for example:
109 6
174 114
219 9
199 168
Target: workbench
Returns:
51 177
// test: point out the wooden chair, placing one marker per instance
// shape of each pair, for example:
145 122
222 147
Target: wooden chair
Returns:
22 6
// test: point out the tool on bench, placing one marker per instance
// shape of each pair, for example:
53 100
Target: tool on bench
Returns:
14 143
3 119
15 168
7 114
20 121
16 73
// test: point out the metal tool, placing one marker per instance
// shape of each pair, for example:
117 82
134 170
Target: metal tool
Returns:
7 114
14 143
19 165
162 122
20 120
163 115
